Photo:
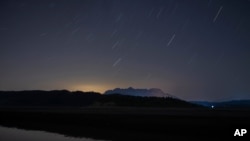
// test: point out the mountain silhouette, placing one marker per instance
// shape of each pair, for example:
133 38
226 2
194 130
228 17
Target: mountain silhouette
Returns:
153 92
64 98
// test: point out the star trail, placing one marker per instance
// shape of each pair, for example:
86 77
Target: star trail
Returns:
195 50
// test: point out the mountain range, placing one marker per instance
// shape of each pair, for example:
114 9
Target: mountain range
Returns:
153 92
119 97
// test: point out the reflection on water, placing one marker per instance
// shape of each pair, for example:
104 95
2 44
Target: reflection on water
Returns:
14 134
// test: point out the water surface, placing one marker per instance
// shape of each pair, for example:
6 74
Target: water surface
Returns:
14 134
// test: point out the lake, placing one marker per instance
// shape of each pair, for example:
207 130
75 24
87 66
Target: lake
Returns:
14 134
115 124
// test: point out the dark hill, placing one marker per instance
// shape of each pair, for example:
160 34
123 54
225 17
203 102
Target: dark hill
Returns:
64 98
138 101
54 98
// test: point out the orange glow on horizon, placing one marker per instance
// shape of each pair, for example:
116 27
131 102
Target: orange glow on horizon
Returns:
87 88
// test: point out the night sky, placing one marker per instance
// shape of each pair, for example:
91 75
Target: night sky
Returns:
193 49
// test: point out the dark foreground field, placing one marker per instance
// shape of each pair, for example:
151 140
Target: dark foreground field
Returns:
130 123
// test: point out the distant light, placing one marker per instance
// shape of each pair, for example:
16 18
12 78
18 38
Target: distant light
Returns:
212 106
